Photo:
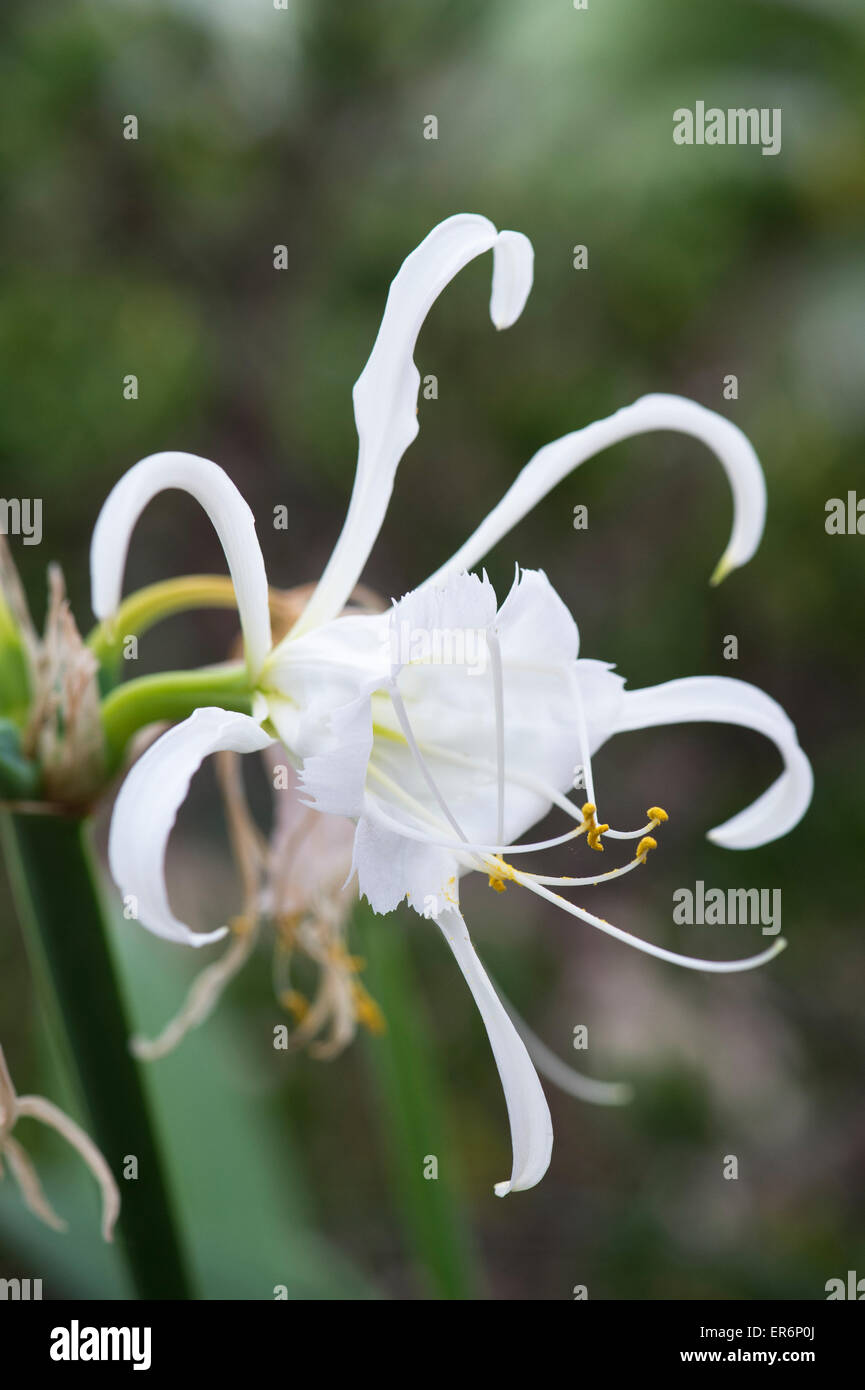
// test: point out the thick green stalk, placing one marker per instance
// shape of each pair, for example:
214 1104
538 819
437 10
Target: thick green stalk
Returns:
413 1115
146 607
55 889
169 696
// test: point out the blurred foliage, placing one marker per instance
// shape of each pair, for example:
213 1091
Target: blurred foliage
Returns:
304 128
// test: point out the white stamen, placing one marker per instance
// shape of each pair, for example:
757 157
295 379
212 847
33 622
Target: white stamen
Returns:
567 1078
416 833
533 784
477 765
585 882
405 725
631 834
583 735
715 967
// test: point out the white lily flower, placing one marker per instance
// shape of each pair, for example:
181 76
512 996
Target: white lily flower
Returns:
443 762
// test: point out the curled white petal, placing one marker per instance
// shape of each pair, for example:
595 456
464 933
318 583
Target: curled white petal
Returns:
657 412
147 806
385 393
232 520
513 272
722 700
528 1112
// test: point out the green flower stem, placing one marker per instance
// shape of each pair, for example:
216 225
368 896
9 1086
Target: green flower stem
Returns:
57 898
413 1114
146 607
171 696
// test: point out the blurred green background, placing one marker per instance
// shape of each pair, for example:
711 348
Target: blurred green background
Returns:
304 128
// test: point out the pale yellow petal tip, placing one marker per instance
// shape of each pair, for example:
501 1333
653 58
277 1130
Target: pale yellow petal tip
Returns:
622 1094
724 567
502 1189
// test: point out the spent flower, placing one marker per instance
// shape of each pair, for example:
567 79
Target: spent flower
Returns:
14 1108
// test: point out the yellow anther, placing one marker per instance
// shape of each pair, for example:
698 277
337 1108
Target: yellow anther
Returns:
367 1011
594 836
295 1002
657 814
645 845
340 956
241 926
287 925
592 829
500 873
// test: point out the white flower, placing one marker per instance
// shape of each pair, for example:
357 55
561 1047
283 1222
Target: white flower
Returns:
442 761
